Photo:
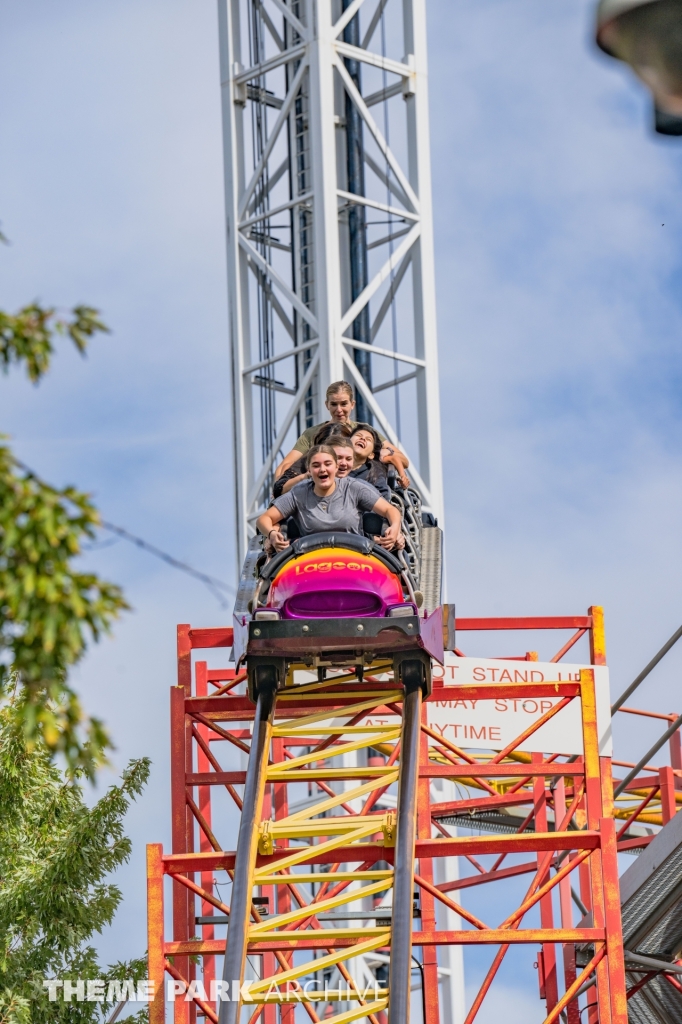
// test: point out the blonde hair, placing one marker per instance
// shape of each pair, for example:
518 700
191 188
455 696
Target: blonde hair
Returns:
340 385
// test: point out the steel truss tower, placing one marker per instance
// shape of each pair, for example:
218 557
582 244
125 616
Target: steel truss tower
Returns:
329 229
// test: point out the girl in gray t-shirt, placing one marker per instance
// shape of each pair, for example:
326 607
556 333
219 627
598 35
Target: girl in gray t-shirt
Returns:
324 503
340 510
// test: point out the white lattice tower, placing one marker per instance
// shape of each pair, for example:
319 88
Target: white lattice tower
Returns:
298 96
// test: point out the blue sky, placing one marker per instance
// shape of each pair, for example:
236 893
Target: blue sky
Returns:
559 245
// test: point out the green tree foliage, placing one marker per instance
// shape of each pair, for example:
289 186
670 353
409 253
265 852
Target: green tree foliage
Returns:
27 337
56 854
48 609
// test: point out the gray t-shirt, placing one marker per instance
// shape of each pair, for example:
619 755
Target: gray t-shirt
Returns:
341 510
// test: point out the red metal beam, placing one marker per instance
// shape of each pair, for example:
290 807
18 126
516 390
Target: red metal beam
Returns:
431 771
567 646
462 845
491 937
484 802
240 708
526 622
633 844
203 639
216 778
155 916
489 876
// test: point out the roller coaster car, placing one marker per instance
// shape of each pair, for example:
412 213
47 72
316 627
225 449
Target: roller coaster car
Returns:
335 599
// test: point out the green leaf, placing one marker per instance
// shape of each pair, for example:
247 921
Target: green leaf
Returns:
49 610
27 337
56 894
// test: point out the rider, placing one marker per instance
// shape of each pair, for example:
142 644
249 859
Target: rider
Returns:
345 455
366 465
325 503
297 470
340 401
354 456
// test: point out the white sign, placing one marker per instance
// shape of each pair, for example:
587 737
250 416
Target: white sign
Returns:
493 724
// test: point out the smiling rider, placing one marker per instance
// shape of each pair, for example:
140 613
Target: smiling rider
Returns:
326 502
340 403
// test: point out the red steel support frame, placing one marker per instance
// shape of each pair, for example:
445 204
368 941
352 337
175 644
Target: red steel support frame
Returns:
581 850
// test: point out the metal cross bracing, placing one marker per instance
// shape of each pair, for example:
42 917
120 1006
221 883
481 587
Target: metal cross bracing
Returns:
329 229
649 799
322 919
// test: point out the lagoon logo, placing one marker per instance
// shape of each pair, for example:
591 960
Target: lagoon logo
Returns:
328 566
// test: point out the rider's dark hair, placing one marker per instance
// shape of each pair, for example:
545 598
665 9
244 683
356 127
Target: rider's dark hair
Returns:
327 429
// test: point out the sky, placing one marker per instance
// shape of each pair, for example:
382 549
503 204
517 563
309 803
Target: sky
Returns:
558 239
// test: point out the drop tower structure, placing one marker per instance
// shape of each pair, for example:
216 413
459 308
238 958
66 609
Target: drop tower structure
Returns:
329 229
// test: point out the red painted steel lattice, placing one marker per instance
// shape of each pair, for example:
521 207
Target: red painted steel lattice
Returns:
580 850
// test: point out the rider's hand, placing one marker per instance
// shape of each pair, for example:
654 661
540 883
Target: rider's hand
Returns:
278 540
390 538
391 534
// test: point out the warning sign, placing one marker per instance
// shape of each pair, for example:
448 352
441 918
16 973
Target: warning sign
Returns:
492 724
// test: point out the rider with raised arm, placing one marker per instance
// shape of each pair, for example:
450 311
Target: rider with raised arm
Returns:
340 401
324 503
